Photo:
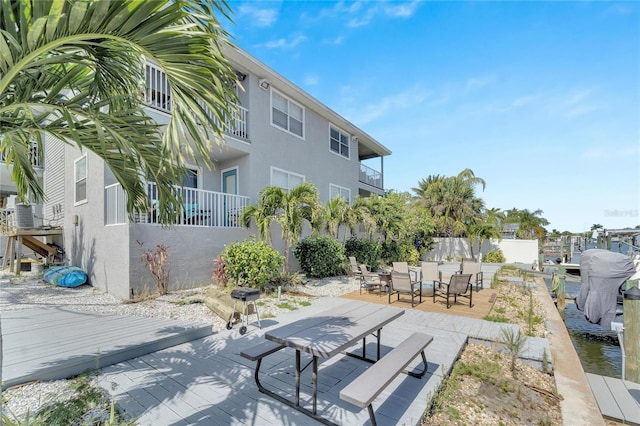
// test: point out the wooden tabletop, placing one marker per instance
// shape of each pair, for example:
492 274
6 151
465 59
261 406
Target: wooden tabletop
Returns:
330 332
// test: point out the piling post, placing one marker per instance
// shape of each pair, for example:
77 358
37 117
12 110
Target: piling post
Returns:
632 331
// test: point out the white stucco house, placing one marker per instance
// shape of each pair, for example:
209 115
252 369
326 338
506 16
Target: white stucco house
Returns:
282 136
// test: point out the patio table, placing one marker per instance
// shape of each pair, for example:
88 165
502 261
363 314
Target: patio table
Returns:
327 334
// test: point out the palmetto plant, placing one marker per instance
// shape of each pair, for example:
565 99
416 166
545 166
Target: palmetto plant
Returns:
289 209
73 70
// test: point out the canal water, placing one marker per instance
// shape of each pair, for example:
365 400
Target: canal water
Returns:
597 347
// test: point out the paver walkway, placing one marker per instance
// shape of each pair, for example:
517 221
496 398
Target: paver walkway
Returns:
207 382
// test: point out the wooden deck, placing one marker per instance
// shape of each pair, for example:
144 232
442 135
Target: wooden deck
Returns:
618 399
483 301
56 343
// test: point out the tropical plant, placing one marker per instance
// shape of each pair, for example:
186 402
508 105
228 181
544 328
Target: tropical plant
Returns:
494 256
365 250
251 263
452 202
289 210
72 70
320 256
336 215
531 223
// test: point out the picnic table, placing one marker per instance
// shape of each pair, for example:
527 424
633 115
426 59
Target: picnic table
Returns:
324 335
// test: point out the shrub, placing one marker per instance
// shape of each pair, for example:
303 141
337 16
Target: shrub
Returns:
320 257
494 256
157 263
394 251
220 272
253 263
365 251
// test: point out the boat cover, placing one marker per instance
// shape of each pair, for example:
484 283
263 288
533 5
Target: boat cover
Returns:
602 273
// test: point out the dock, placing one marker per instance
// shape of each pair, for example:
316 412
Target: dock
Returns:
617 399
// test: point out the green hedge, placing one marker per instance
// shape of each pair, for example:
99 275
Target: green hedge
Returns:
365 251
320 256
252 263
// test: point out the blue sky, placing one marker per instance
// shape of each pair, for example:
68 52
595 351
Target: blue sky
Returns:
540 99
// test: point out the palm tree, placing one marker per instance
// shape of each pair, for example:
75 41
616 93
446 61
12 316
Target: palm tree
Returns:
452 202
531 223
73 70
424 183
336 214
289 210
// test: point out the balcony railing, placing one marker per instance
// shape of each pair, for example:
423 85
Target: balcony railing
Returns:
370 176
7 221
34 154
200 208
158 95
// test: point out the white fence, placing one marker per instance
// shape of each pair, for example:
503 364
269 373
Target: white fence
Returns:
199 208
515 251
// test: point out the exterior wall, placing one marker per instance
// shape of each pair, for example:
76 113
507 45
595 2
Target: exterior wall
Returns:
310 157
191 253
515 251
54 181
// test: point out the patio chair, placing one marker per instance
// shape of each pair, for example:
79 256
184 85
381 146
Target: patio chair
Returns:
473 267
354 269
459 286
401 284
370 280
429 275
401 267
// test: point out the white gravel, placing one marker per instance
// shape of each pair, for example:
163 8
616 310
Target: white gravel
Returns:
31 291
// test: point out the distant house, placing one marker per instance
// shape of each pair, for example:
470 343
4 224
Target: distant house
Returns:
281 136
510 231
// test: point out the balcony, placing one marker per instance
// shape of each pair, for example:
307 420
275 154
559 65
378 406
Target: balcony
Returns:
157 95
370 176
200 208
34 154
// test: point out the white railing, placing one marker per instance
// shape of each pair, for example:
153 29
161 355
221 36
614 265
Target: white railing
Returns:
34 154
370 176
157 95
7 221
200 208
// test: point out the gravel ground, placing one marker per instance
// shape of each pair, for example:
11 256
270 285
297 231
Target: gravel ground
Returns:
31 291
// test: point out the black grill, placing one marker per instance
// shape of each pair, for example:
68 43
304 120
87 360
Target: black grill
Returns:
245 294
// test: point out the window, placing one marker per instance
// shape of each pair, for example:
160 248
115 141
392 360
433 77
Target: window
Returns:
286 114
284 179
339 141
80 179
335 190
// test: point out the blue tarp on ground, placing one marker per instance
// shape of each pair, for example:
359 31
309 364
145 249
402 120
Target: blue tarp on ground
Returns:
65 276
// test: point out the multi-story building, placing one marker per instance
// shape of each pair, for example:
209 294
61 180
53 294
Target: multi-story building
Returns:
280 136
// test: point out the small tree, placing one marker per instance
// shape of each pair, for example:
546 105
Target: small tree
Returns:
157 263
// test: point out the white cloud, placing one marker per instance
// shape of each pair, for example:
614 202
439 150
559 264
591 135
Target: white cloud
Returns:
283 43
403 10
311 80
260 17
608 151
401 101
475 83
361 13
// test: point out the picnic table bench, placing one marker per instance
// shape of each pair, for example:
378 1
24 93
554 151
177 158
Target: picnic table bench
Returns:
366 387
